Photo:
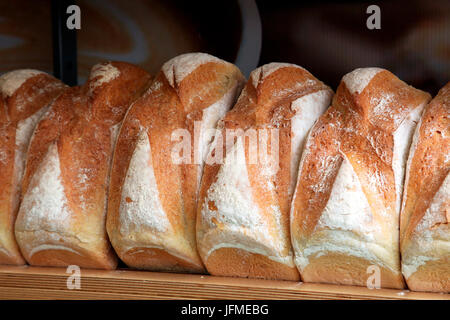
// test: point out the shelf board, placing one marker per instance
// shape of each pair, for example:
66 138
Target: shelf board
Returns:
27 282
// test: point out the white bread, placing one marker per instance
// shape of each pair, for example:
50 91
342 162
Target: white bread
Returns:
61 220
424 224
153 200
24 97
243 211
345 211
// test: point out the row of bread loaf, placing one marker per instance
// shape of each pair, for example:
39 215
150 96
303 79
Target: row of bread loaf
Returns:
352 183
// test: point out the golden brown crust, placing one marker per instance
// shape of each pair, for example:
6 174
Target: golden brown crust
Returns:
352 271
357 131
170 104
64 258
432 277
424 227
80 128
429 164
158 259
48 130
244 264
19 111
265 103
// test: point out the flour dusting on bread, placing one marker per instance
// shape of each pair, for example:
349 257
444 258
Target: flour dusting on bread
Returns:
24 132
44 205
347 207
11 81
230 203
354 172
102 73
259 74
181 66
140 205
307 110
430 235
211 116
232 194
403 137
358 79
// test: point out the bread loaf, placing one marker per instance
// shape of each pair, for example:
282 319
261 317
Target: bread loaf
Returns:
61 220
243 213
345 211
153 196
24 97
424 224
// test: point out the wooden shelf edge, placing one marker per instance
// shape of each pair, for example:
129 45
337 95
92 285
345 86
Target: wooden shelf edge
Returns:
27 282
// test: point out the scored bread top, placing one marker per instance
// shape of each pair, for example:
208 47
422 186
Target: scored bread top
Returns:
244 204
25 91
67 169
424 228
176 69
348 192
24 98
11 81
153 199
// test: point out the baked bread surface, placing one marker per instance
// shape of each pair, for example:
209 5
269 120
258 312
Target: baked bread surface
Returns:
153 194
24 97
61 220
345 211
243 212
424 224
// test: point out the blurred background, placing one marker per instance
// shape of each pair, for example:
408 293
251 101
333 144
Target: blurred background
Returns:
329 38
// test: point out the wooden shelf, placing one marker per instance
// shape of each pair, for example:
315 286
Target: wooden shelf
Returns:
27 282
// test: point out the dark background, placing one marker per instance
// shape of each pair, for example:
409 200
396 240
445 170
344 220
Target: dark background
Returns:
329 38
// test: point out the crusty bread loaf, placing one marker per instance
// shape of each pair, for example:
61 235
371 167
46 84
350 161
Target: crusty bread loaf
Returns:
24 97
61 220
424 223
345 211
153 197
243 211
